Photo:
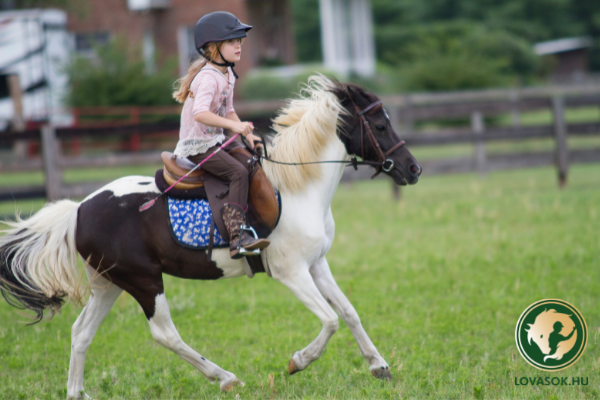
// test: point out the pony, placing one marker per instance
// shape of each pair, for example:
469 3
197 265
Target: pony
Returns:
127 250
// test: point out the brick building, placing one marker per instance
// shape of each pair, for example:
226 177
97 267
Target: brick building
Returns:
165 28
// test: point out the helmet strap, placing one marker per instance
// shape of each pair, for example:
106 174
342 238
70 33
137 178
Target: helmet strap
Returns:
225 64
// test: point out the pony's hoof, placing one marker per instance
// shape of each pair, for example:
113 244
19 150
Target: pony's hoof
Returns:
292 367
382 373
79 396
228 386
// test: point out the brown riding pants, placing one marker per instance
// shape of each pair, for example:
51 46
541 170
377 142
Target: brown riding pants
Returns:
223 166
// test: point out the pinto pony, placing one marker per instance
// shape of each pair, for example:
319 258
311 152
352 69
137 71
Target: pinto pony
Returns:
128 250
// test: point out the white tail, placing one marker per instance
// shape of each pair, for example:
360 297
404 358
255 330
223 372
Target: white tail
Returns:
38 259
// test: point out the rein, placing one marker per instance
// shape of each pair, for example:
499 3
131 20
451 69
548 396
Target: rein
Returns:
380 165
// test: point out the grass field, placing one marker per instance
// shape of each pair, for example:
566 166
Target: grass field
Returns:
439 280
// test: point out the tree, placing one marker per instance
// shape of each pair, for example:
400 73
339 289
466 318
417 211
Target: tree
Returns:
116 76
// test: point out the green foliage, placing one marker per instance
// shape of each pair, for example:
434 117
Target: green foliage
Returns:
307 30
441 72
497 35
456 55
264 85
457 38
117 76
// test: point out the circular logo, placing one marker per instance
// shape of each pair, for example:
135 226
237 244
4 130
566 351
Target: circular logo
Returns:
551 334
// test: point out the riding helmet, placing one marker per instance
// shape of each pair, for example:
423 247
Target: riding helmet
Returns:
218 27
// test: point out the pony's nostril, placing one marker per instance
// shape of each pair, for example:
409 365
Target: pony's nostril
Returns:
415 169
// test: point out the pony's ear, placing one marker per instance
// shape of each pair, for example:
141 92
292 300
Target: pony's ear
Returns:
352 95
356 96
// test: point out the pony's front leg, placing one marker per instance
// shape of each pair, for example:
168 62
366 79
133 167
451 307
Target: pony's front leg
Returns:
329 289
302 285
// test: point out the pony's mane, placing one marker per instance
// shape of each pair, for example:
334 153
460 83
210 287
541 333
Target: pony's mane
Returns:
303 128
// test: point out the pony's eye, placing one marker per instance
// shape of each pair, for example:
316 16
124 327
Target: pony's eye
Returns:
380 127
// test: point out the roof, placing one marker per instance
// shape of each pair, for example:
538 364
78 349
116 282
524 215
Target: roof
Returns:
562 45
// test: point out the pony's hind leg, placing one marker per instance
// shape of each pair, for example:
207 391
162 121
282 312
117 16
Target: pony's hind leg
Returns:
103 296
303 286
164 332
326 283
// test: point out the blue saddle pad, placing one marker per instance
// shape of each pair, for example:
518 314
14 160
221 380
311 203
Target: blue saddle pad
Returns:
190 223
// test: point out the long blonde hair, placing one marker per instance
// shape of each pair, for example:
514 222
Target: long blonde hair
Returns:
182 86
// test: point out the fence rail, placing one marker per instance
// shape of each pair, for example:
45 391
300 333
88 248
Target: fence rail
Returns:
405 111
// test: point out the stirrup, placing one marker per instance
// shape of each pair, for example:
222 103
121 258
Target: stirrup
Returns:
242 251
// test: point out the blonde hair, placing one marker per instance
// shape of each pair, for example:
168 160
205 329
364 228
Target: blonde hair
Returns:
182 86
304 127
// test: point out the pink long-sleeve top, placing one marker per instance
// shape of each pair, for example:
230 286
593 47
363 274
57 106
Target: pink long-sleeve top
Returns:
211 91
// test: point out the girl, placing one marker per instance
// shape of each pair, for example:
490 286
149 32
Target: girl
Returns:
207 96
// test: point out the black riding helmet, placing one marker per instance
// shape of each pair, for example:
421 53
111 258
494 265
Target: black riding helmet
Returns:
218 27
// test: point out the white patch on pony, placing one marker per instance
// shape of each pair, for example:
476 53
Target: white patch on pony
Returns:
161 310
231 268
128 185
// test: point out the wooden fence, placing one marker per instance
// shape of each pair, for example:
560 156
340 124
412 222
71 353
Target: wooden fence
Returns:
406 113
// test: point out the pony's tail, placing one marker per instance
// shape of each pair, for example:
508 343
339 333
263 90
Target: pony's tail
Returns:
38 260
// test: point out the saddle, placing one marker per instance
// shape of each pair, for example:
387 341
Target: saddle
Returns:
264 208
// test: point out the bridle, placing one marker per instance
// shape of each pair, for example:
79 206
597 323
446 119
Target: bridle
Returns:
383 160
384 164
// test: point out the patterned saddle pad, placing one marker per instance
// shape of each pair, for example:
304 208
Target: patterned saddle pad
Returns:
190 221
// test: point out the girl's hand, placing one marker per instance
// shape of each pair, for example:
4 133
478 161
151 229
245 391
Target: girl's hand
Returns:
251 138
243 128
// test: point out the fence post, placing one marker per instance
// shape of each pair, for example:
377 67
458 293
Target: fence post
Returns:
18 120
560 130
396 194
51 154
134 118
409 121
477 125
394 112
515 116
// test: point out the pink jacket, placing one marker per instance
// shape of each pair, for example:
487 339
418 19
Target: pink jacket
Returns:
210 91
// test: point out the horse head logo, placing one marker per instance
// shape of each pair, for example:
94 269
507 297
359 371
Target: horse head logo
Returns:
554 333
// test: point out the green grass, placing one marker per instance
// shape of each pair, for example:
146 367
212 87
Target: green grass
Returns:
439 280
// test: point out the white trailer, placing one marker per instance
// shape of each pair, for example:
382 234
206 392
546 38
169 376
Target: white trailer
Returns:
35 45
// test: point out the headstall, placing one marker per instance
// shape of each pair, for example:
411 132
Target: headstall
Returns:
374 142
384 163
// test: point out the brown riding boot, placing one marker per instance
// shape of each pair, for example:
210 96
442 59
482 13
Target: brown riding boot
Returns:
239 242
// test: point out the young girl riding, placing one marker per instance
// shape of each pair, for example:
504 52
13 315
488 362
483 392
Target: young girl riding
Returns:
207 96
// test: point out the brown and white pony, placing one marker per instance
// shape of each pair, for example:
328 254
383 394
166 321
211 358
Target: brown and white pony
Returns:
128 250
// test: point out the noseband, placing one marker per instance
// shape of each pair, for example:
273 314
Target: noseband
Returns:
383 160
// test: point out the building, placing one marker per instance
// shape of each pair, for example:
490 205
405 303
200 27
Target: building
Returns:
570 55
37 43
347 36
165 28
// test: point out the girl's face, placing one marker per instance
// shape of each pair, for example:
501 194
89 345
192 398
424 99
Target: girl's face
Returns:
232 50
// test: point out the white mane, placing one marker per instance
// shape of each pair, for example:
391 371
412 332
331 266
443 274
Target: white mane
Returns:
304 127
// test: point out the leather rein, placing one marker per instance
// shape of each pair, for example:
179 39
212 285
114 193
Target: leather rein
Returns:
384 164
